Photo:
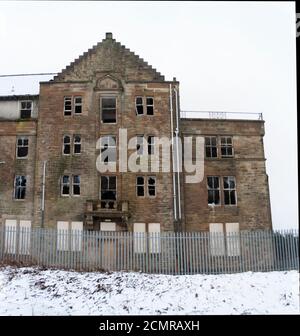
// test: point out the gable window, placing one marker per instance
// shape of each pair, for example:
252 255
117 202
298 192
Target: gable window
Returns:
150 141
108 188
20 187
211 147
108 149
68 106
108 109
65 185
77 105
76 185
226 147
229 190
140 186
77 144
22 147
26 108
67 145
150 105
139 106
213 188
151 186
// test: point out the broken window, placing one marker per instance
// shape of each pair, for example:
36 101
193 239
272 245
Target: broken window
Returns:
151 186
108 187
139 106
65 185
211 147
22 147
150 141
109 110
226 147
67 145
108 149
229 190
20 187
26 107
77 144
149 104
76 185
140 186
67 106
139 144
77 105
213 188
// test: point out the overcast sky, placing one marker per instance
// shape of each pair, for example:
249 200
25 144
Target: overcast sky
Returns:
228 56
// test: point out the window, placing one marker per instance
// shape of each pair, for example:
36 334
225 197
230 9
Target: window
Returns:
77 105
108 187
65 185
232 239
139 230
154 237
226 147
107 226
67 145
149 104
69 236
76 185
150 141
68 106
140 186
77 144
151 186
139 144
109 110
26 107
20 187
22 147
229 190
216 239
140 237
213 187
211 147
108 149
139 106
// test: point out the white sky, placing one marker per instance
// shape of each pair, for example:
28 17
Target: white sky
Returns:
229 56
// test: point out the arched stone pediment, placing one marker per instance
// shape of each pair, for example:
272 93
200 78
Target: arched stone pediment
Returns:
108 83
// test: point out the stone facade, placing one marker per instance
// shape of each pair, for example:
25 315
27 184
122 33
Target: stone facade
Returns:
111 70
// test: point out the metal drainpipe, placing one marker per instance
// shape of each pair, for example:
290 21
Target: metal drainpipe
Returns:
177 153
43 193
173 163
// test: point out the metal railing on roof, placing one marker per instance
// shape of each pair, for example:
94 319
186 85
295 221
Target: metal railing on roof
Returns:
221 115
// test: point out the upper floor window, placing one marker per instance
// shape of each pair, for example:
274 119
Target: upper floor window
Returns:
22 147
26 108
229 190
20 187
72 102
108 110
76 185
151 186
77 144
108 188
68 106
213 187
108 148
139 144
150 141
65 185
77 105
226 147
144 105
140 186
70 183
67 145
211 147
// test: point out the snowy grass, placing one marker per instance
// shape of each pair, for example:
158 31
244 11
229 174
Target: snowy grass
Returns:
33 291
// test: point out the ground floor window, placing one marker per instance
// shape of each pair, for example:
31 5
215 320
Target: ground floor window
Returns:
144 242
17 236
69 236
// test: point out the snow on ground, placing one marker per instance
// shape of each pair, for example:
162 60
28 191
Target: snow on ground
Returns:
33 291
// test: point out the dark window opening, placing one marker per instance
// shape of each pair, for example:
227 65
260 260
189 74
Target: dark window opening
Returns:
22 147
67 145
151 186
68 106
76 185
213 187
108 187
20 187
26 107
77 105
139 107
140 186
77 144
109 110
65 185
150 105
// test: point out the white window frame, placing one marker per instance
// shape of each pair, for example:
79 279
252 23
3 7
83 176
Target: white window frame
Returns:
78 104
140 185
65 144
26 109
155 186
76 184
68 98
142 104
229 190
75 143
214 189
226 145
151 105
100 198
67 184
22 138
20 187
210 146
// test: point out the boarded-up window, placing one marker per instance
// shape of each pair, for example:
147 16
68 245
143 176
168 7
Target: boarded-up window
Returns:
233 239
217 244
154 237
108 226
62 236
139 237
10 235
24 237
76 236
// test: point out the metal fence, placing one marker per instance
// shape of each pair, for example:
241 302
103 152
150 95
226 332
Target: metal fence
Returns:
161 253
